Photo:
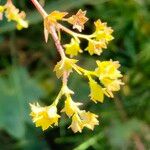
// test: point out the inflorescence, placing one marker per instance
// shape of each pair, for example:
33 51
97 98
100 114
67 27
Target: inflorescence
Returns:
104 80
106 71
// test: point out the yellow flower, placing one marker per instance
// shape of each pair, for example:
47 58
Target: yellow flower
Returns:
83 119
56 15
97 93
78 20
109 76
111 85
108 69
101 37
2 8
89 119
52 19
44 116
65 65
70 107
76 124
95 47
12 13
73 48
103 32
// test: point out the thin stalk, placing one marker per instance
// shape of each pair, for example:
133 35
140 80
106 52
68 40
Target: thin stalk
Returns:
84 36
52 28
57 42
39 8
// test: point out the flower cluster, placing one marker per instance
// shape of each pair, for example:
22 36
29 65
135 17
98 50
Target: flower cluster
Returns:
47 116
103 80
44 116
13 14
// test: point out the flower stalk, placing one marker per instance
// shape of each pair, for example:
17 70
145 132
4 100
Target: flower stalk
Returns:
39 8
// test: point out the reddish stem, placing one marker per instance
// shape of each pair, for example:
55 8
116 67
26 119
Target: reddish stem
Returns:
52 28
39 8
57 41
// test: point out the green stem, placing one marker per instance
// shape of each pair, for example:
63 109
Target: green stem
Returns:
84 71
74 34
56 101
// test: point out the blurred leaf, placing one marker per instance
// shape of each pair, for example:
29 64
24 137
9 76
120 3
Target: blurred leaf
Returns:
120 134
32 141
16 91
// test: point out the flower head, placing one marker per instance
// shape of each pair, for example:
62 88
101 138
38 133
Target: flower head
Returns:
111 85
12 13
95 47
83 119
73 48
108 69
57 15
70 107
78 20
109 76
65 65
77 124
89 119
53 17
44 116
103 32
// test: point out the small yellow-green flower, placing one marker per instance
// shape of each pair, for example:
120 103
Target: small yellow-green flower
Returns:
56 15
52 18
73 48
77 124
89 119
103 32
111 85
65 65
109 76
70 107
83 119
78 20
44 116
97 93
13 14
95 47
108 69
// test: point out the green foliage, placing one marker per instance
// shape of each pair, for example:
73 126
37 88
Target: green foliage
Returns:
17 90
120 119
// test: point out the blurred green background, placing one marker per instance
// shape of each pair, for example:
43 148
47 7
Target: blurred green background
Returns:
26 75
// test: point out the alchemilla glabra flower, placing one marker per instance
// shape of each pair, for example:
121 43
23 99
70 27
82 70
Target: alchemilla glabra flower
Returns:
103 81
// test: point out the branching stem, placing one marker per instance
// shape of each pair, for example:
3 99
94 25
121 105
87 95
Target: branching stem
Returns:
39 8
83 36
56 40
